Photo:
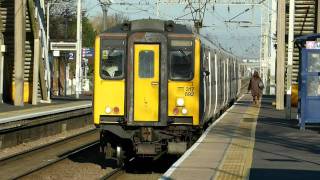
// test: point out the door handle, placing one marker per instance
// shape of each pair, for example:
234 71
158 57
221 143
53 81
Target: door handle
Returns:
153 83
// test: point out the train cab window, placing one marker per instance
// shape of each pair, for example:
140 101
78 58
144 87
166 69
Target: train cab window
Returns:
146 64
181 64
112 63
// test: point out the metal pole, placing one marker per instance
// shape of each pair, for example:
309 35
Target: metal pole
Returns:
104 17
65 75
158 8
105 5
273 49
48 22
66 18
318 17
290 58
1 68
67 78
281 27
78 57
266 47
261 41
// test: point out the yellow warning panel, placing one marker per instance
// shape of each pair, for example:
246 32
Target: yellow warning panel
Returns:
26 92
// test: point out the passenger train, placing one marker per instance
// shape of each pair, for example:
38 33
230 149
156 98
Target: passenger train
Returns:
157 86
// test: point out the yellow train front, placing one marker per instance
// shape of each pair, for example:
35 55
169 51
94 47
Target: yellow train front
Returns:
151 91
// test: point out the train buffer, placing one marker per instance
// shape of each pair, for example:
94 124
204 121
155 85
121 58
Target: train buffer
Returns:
251 142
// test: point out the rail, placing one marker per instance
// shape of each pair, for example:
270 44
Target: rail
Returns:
113 174
20 157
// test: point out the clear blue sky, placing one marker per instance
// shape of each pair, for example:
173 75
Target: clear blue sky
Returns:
243 41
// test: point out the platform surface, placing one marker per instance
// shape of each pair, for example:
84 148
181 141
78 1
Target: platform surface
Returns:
9 113
251 142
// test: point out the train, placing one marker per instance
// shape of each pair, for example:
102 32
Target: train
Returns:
157 86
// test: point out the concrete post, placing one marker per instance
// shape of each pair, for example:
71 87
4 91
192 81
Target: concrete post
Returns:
35 71
273 50
19 49
281 46
290 58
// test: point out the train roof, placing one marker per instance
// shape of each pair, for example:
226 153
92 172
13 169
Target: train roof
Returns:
157 25
154 25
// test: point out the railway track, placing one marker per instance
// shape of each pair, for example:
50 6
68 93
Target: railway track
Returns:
25 163
114 174
45 160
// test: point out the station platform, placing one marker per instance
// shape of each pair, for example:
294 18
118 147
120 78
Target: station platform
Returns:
10 113
27 124
251 142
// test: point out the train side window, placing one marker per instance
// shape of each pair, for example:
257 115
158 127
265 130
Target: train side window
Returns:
112 63
181 65
146 64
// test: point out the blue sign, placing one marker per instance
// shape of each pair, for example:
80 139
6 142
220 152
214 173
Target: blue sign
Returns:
87 52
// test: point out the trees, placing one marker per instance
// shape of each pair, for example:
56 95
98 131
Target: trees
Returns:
112 20
63 23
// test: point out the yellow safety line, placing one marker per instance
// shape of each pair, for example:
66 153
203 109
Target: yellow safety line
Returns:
237 161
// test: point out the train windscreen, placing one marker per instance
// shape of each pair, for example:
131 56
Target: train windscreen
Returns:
181 65
112 59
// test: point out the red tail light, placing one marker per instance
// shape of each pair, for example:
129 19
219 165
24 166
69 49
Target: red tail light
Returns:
175 111
116 110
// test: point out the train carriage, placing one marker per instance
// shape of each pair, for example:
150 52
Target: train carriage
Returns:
156 86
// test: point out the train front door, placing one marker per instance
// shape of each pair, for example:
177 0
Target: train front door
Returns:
146 82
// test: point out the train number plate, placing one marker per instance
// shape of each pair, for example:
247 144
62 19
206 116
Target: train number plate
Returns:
189 91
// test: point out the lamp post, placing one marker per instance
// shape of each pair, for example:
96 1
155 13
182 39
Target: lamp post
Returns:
79 46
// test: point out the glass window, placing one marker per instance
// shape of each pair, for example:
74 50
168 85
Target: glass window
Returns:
313 86
112 63
146 64
314 62
181 65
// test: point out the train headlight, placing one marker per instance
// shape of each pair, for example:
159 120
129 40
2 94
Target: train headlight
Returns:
108 110
180 102
184 111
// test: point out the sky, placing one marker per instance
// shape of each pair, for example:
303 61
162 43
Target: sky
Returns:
242 41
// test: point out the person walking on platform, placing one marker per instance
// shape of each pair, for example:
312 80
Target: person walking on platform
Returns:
256 86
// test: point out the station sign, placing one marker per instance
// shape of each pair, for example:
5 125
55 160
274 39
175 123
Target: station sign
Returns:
71 56
312 45
63 46
56 53
87 52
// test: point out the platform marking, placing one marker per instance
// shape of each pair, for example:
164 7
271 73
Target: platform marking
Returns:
237 161
176 165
